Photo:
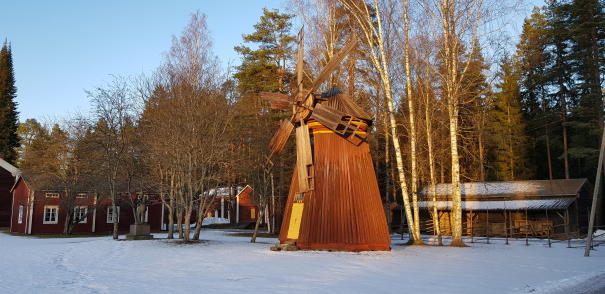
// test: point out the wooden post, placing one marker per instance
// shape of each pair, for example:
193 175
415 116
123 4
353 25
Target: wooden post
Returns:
487 224
595 197
566 220
526 228
472 226
505 224
547 228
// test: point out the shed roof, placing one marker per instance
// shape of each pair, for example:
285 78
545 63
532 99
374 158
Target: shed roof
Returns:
533 204
513 189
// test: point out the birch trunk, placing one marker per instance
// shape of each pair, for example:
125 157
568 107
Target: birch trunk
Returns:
373 33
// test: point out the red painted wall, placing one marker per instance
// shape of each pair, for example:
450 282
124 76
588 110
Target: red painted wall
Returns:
246 205
20 198
126 217
6 183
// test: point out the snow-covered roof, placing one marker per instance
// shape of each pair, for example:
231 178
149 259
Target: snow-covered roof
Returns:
10 168
222 192
541 188
537 204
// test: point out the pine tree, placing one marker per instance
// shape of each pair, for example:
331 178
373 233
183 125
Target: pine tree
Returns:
9 117
265 69
538 107
586 22
507 126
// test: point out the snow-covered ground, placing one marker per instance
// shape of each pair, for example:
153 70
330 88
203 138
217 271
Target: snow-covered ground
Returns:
228 264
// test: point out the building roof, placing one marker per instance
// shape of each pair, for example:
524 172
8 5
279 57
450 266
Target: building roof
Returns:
534 204
514 189
343 103
10 168
223 192
511 195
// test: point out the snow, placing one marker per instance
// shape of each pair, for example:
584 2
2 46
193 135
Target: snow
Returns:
214 220
227 264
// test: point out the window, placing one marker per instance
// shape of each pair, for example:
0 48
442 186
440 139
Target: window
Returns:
81 195
20 218
52 195
51 215
80 213
110 214
252 213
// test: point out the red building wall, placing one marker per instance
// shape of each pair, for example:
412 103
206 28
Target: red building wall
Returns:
246 205
6 183
20 199
96 220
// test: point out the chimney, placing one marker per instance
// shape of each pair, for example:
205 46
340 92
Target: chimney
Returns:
1 155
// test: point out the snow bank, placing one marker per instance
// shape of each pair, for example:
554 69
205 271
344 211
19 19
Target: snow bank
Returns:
215 220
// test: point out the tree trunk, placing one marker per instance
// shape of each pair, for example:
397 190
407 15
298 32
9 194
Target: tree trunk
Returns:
256 226
412 127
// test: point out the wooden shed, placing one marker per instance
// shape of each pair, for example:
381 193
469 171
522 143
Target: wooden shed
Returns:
538 208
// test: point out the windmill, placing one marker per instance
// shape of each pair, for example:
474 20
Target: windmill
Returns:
334 202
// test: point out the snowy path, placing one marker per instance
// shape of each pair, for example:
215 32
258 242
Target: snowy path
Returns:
228 264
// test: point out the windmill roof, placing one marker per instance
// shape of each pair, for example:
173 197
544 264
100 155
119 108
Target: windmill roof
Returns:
345 104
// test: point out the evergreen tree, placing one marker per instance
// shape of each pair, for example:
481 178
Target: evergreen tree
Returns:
9 120
538 106
265 69
509 156
586 22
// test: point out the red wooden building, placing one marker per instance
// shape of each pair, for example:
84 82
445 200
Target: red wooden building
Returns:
37 209
8 174
231 202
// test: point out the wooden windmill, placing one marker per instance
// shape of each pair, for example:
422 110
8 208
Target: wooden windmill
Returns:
334 202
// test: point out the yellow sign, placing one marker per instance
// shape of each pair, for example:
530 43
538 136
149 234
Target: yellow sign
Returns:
295 219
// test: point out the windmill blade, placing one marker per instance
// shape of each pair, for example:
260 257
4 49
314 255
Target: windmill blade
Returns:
333 63
304 157
278 100
281 137
299 60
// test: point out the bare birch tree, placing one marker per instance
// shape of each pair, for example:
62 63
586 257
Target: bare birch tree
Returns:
374 36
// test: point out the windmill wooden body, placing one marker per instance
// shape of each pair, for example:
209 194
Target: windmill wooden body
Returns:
334 202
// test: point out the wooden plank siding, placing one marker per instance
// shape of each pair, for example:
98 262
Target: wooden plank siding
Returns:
7 180
32 219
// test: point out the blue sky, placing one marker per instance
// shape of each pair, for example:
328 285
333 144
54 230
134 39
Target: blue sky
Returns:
61 48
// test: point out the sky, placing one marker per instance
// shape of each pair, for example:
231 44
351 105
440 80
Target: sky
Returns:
62 48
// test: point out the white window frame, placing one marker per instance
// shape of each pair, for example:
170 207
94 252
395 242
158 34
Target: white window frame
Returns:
20 217
110 214
82 210
51 212
52 195
81 195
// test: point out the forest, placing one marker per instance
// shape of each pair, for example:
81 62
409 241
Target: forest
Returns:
454 100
